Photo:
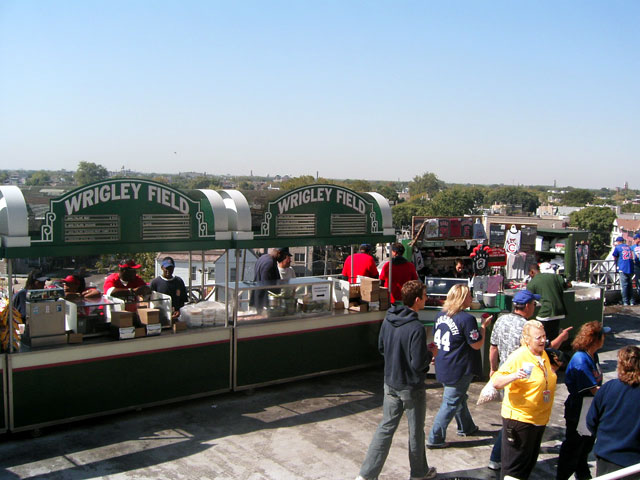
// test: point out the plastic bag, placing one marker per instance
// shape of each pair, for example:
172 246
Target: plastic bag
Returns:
489 393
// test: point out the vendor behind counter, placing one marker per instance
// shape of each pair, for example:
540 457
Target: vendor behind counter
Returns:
551 287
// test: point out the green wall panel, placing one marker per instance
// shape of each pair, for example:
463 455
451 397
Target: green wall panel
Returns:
59 392
304 353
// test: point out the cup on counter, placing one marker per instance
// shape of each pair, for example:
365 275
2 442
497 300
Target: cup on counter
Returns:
528 367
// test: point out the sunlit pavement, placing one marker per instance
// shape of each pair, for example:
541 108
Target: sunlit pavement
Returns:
314 429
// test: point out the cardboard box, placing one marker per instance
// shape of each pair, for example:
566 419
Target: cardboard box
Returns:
370 295
363 307
122 319
383 294
140 332
74 337
369 283
179 326
149 316
48 340
354 291
338 306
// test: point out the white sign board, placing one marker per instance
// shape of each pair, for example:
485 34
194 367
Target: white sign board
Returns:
320 291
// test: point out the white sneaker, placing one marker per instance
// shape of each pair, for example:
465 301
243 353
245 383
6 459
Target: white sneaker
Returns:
431 473
360 477
494 465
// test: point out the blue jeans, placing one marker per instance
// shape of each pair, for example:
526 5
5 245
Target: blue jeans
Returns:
395 403
454 404
496 451
626 287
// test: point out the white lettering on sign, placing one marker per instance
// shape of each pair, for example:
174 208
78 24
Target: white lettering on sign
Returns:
320 194
168 198
350 200
124 191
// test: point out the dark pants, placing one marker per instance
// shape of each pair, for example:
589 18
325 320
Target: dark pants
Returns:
497 449
603 467
574 454
520 455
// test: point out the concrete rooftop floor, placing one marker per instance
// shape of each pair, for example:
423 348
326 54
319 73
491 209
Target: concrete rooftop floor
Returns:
313 429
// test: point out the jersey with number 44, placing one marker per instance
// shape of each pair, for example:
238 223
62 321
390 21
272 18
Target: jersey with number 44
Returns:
453 336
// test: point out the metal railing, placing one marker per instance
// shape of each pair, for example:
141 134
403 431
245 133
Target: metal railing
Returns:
633 470
604 274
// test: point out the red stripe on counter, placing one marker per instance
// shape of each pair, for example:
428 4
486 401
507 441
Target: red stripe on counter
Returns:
298 332
111 357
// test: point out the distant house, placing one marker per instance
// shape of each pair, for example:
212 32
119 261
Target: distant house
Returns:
625 228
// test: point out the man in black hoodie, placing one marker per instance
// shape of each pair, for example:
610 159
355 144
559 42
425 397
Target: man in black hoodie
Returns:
403 342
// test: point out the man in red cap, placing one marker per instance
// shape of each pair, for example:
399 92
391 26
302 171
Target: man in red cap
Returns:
126 281
74 286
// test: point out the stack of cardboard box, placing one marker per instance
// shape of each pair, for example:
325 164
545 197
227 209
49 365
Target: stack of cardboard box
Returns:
383 298
369 288
150 320
122 325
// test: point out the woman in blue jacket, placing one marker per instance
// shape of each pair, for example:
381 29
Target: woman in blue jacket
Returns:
613 417
583 378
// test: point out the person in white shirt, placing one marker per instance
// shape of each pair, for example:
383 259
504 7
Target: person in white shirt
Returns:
284 264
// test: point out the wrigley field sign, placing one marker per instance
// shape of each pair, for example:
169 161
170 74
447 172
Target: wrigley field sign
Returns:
323 214
129 212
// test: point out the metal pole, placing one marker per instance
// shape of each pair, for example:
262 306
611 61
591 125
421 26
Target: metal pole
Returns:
244 263
326 258
351 260
189 273
10 293
390 270
202 277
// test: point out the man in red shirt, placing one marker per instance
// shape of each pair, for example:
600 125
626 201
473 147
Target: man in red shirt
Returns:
126 281
363 264
402 271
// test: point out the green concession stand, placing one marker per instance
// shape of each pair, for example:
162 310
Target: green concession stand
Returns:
306 344
301 336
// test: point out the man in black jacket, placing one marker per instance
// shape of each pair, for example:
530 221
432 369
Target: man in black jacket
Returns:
403 342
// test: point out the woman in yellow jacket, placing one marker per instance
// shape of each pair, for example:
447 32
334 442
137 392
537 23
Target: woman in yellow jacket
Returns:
530 383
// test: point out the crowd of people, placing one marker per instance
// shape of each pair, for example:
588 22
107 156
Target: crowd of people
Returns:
524 357
523 364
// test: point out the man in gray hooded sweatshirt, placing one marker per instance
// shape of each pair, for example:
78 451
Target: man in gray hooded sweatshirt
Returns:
403 342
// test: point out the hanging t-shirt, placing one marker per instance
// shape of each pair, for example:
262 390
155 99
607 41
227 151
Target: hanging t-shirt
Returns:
455 228
512 241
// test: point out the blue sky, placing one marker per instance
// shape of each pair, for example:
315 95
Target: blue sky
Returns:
507 92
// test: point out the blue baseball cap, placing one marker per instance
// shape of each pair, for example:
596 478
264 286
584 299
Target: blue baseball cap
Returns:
637 235
619 239
525 296
168 262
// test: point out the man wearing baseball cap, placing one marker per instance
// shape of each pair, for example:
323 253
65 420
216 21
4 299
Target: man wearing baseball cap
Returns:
624 261
126 282
505 338
35 281
75 287
171 285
